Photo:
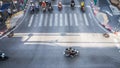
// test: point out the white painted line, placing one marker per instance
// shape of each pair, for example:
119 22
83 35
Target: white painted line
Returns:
56 20
40 20
61 20
51 20
76 20
90 16
85 18
117 43
66 20
30 22
36 20
108 12
71 20
46 19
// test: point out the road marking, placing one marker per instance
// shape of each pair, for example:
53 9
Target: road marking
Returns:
30 22
46 19
56 20
36 20
66 20
61 20
108 12
90 16
76 20
51 20
117 43
40 20
71 20
80 19
85 18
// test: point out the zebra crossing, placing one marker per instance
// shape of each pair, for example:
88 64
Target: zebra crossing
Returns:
57 20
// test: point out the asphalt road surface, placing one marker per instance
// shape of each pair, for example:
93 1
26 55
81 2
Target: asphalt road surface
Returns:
39 42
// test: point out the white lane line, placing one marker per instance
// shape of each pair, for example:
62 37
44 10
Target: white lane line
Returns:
85 18
36 20
51 20
56 20
76 20
46 19
40 20
90 16
30 22
117 43
61 20
66 20
71 20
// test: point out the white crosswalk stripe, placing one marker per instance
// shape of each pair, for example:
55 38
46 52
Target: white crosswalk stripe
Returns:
71 20
61 19
36 20
76 19
30 22
56 20
51 20
86 21
66 20
46 19
40 20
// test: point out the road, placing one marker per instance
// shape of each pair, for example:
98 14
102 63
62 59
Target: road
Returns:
42 38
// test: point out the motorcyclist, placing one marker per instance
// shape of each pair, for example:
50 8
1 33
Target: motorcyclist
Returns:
72 1
60 5
82 4
43 4
70 52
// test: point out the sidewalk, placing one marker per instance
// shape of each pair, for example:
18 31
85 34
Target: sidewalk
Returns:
12 22
106 17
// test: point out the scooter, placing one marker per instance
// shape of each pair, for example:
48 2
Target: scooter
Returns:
71 54
72 4
3 56
44 9
82 8
50 8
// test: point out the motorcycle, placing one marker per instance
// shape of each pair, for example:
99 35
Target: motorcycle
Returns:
50 8
60 5
70 53
44 9
3 56
72 4
82 6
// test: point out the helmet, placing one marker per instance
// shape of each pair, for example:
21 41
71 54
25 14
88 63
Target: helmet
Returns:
82 4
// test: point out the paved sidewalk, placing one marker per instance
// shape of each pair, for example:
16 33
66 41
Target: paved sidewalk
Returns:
105 16
12 22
